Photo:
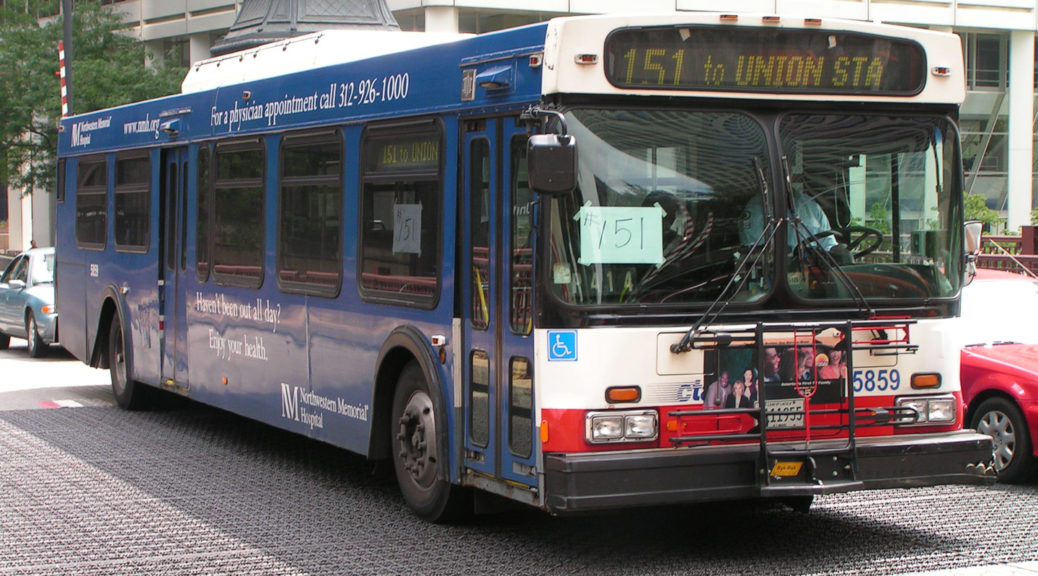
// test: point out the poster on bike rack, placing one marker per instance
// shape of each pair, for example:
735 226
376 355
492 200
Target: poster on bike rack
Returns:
788 376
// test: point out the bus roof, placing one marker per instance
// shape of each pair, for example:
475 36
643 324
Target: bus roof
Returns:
355 76
306 52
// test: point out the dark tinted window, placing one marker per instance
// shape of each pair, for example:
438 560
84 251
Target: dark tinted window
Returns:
311 213
203 224
132 189
92 203
238 214
401 214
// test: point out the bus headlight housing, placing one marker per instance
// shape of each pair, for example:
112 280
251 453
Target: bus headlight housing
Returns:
621 426
932 410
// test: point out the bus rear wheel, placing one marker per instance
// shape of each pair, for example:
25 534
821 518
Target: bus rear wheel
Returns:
129 394
417 452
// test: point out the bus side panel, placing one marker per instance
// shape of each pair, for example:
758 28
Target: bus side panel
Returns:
70 284
247 346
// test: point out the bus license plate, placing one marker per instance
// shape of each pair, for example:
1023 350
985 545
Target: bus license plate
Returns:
781 413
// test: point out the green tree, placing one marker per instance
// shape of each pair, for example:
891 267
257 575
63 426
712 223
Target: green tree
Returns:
976 208
109 69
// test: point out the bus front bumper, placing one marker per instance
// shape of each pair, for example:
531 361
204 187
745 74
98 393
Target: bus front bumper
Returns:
608 480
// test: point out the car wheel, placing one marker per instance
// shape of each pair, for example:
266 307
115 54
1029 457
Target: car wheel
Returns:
36 346
130 395
416 452
1002 420
5 341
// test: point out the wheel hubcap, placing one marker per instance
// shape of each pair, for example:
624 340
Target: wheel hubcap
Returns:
32 334
1000 428
416 439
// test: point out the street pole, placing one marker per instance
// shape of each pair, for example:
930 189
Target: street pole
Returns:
66 11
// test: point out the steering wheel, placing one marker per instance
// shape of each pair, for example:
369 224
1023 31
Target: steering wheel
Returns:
858 236
853 237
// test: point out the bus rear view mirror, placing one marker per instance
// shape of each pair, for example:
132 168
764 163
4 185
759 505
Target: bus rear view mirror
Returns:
552 164
973 232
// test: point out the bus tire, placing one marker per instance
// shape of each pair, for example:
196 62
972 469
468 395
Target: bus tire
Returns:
417 453
35 344
129 395
801 504
1012 450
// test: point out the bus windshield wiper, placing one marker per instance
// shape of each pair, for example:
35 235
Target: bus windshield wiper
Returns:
738 279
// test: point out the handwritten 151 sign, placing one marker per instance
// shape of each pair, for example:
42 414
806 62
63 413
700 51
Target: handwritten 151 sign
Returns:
621 234
407 229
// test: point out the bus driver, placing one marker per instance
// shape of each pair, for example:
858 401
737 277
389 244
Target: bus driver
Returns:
811 216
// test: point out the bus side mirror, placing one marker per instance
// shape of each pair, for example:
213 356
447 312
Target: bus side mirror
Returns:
972 233
552 164
973 230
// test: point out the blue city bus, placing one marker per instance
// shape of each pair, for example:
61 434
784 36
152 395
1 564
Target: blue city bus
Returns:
593 263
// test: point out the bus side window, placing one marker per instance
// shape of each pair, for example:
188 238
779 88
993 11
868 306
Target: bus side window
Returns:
401 214
132 210
238 208
310 197
521 272
92 203
203 225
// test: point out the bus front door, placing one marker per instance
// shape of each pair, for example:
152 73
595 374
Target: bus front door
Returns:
172 268
496 281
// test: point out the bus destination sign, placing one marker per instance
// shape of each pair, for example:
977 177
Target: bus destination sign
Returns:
783 60
407 154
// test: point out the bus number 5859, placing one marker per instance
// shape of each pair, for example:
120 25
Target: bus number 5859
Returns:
884 380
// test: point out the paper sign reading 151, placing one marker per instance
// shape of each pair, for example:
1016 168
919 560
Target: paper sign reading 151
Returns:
621 234
407 229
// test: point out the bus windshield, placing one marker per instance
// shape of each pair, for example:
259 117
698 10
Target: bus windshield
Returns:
660 193
680 207
886 186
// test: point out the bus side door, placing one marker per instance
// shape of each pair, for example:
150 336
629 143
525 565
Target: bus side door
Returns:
496 255
173 268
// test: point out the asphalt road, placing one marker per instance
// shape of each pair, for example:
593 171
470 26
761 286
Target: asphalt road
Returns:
86 488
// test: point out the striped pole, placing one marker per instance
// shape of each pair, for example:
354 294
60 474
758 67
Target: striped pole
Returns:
64 86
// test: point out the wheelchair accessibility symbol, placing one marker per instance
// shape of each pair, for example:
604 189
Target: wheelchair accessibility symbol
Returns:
562 346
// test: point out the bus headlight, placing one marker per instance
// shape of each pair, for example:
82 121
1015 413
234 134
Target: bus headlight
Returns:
623 426
931 409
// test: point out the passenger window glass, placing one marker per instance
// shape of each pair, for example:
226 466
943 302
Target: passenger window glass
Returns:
520 425
92 204
310 219
132 189
521 272
238 215
479 404
203 225
401 215
479 231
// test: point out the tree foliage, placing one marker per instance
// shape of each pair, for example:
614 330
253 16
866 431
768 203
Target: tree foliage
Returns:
976 208
109 69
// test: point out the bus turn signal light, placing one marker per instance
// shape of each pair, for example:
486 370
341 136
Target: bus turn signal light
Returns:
623 394
924 381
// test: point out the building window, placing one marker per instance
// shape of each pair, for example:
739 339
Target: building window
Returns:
987 59
310 214
401 232
238 230
92 204
132 209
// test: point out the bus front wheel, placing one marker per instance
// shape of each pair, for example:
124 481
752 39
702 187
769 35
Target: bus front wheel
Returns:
417 453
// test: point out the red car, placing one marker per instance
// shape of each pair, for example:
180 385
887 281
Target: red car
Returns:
1000 367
